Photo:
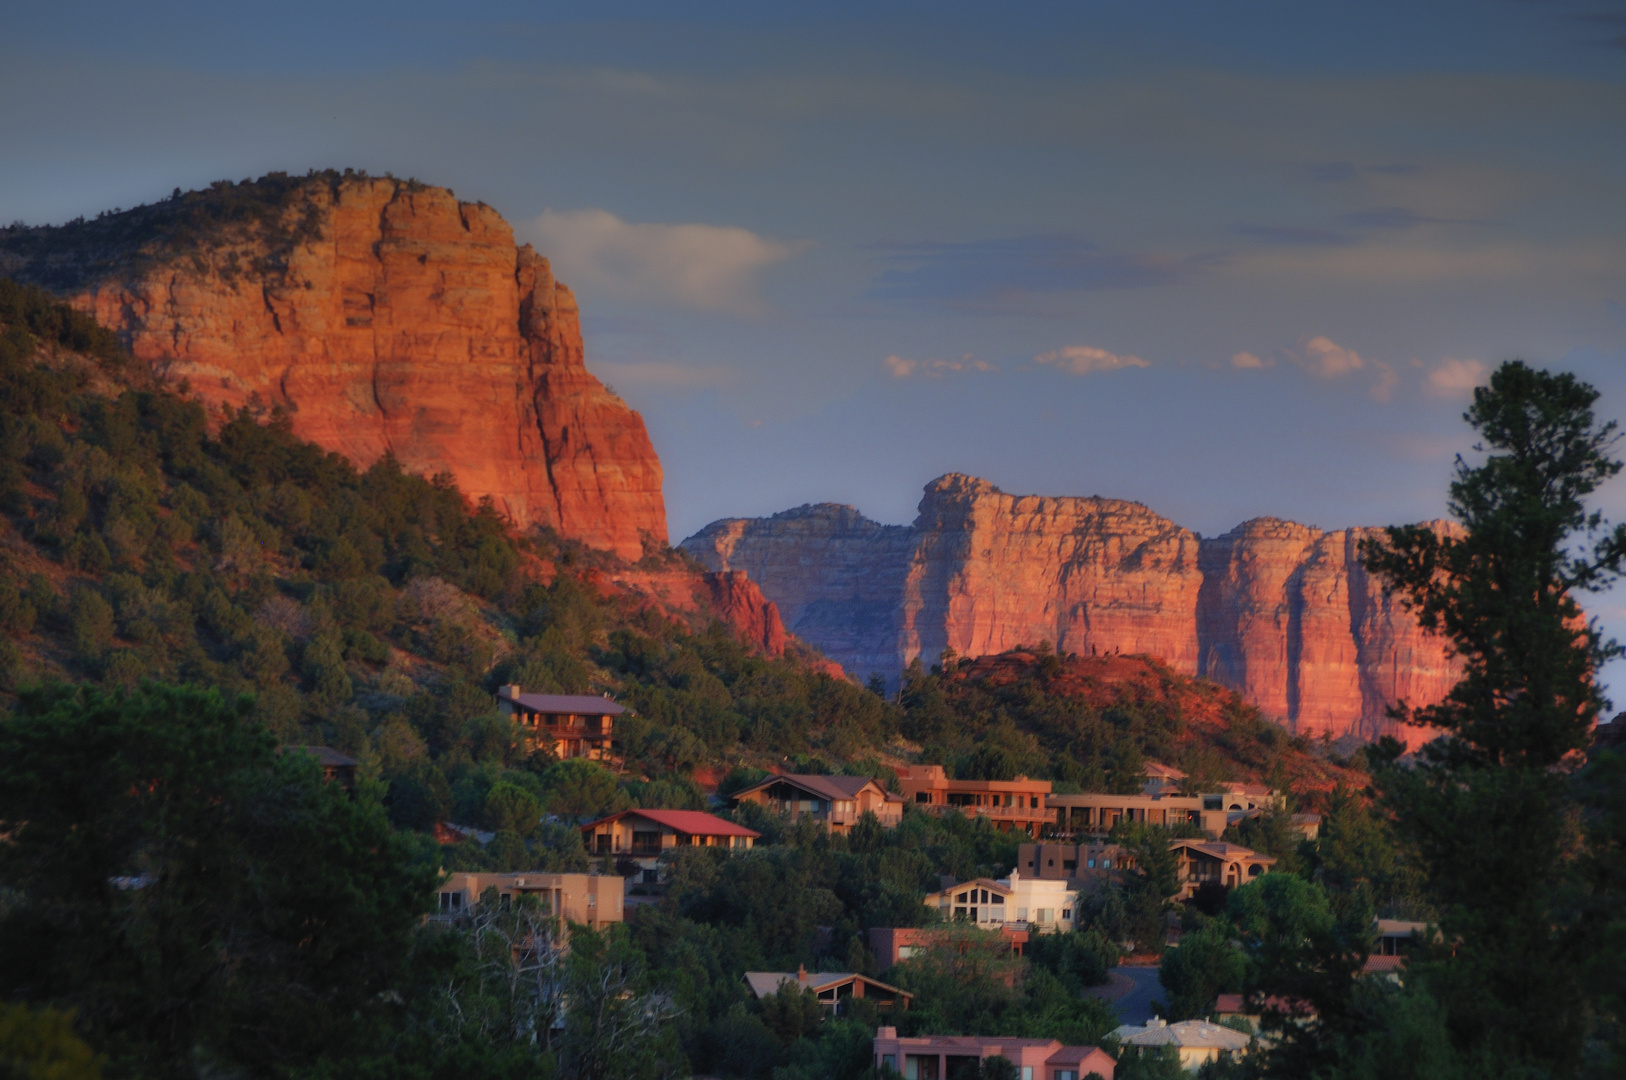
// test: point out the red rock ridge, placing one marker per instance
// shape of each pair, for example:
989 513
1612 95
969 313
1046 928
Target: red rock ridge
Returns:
404 322
1283 613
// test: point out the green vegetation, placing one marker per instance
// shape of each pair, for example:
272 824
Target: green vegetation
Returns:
179 596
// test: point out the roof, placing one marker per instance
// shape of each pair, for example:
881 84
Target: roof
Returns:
1219 849
987 883
1397 927
1197 1034
691 822
1376 964
1072 1055
765 983
326 755
827 787
1160 771
564 704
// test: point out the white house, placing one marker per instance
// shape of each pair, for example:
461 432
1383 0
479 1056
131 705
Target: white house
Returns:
1022 903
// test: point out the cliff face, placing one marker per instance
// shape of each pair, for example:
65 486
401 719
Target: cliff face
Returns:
386 317
1281 612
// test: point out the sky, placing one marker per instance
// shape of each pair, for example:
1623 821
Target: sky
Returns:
1227 260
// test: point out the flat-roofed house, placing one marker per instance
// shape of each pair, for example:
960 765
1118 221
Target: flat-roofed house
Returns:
594 900
1196 1041
894 944
337 768
1017 901
836 801
571 725
1203 861
1012 805
641 836
834 989
945 1057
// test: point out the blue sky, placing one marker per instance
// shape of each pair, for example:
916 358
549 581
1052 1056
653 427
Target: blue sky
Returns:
1224 259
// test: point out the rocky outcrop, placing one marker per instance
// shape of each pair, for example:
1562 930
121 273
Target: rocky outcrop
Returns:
386 317
1281 612
740 603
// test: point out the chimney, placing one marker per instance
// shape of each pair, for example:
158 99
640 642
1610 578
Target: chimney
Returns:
886 1033
510 690
801 974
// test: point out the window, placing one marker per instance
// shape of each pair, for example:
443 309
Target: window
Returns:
890 1061
1022 914
1066 1074
1092 864
1044 916
906 952
923 796
1027 1072
1069 864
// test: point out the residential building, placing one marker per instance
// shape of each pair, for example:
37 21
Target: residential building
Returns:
570 725
944 1057
1160 803
836 801
1023 903
1013 805
1203 861
594 900
834 989
641 836
893 944
337 768
1396 939
1197 1041
1084 866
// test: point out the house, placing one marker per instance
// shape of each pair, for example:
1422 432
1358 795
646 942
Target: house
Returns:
1024 903
1197 1041
1396 939
642 835
1160 803
1083 866
569 725
593 900
1162 778
943 1057
836 801
337 768
834 989
1233 1007
1203 861
1012 805
892 944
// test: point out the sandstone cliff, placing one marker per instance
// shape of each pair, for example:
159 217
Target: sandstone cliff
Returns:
387 317
1283 613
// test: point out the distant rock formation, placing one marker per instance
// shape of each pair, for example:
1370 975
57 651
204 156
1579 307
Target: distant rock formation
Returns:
386 317
1283 613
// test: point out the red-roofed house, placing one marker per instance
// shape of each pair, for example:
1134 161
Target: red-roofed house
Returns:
641 835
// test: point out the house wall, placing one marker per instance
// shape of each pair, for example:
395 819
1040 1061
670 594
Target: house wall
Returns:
593 900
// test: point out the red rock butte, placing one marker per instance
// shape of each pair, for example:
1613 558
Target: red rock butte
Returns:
1283 613
386 317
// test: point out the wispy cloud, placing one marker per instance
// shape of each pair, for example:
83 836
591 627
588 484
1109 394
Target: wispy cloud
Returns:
1452 378
1087 360
903 368
1247 361
1005 273
1325 358
1295 236
712 267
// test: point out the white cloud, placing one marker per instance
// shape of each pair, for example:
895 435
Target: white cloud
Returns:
1388 379
1323 357
713 267
1087 359
1248 361
903 368
1450 378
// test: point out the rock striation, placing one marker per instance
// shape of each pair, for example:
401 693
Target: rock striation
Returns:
1282 613
386 317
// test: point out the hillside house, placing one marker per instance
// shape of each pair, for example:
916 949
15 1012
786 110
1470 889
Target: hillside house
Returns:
1160 803
834 989
337 768
1197 1041
641 836
1012 805
945 1057
1020 902
837 802
594 900
569 725
894 944
1203 861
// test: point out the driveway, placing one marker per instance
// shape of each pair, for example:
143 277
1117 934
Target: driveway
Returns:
1131 991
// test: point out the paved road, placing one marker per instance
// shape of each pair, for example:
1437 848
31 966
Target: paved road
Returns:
1135 1004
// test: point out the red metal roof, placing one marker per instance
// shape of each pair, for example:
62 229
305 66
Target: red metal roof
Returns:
690 822
564 704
